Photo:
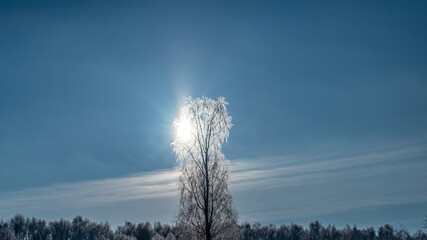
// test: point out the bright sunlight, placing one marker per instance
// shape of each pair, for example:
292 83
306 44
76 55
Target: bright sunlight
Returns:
183 129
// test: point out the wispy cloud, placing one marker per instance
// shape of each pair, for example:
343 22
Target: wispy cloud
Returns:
266 188
288 171
289 187
159 184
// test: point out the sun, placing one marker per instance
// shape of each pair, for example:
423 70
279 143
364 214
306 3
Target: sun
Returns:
184 129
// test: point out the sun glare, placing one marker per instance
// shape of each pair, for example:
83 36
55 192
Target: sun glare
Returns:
183 130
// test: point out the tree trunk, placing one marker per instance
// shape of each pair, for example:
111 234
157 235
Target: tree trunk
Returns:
207 222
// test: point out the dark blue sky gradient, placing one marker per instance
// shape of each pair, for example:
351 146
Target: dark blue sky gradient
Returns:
89 89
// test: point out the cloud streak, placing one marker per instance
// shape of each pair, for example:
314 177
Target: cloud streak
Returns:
267 188
331 184
159 184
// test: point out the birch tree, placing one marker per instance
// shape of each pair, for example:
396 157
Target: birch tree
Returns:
206 208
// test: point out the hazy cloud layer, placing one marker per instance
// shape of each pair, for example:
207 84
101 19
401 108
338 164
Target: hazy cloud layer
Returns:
270 189
338 184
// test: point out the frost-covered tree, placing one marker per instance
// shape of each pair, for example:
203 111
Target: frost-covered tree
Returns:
38 229
6 232
206 209
157 236
170 236
60 229
19 226
144 231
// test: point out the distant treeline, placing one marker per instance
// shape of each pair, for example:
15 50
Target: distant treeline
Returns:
21 228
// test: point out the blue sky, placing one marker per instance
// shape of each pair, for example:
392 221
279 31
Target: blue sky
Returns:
328 101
